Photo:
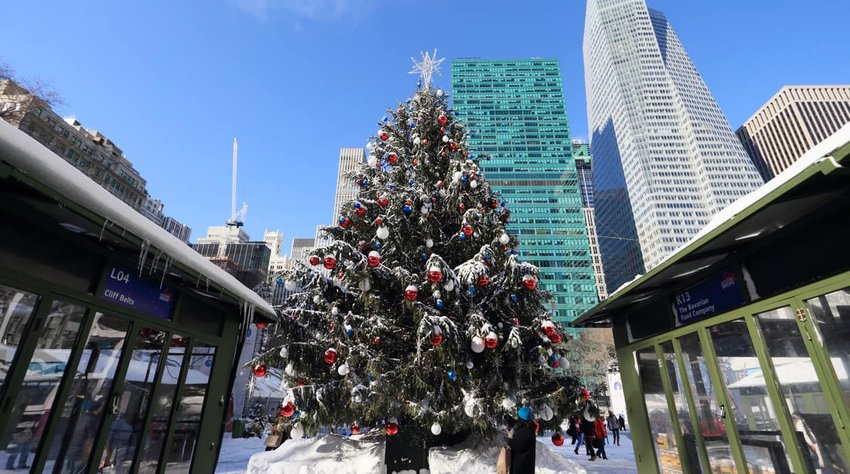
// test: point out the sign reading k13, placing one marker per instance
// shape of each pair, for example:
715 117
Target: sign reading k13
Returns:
142 294
714 295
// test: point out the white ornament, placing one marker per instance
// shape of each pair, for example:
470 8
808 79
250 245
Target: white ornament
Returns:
364 285
545 413
382 232
437 295
473 184
436 429
290 369
372 162
343 370
334 310
297 431
508 403
456 176
284 352
429 243
417 141
470 408
469 365
450 285
445 138
442 193
563 363
439 92
317 299
370 146
424 210
504 239
290 285
477 345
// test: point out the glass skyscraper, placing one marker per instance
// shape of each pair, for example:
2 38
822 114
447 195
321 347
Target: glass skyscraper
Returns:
515 111
664 157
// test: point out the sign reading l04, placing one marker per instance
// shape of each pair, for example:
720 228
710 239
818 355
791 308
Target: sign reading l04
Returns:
142 294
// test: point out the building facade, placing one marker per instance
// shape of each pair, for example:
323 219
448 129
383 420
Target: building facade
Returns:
515 111
301 248
661 144
791 123
584 169
350 160
230 248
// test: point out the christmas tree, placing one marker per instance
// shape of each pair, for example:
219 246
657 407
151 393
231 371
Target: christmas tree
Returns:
424 316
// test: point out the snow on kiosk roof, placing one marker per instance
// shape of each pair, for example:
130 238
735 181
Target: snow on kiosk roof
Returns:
40 164
746 220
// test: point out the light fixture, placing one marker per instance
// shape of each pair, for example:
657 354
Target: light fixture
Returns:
72 228
690 272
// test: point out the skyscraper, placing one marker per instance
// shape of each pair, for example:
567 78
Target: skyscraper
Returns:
584 169
665 158
350 160
515 112
791 123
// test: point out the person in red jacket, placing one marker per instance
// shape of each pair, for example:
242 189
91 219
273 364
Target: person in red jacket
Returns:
601 434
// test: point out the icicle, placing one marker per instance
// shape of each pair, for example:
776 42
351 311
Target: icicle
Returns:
198 281
106 222
143 254
208 283
155 262
168 261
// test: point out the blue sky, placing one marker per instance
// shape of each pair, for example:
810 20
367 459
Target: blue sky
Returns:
173 82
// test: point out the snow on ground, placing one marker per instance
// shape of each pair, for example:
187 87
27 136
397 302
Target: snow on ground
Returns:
621 459
334 454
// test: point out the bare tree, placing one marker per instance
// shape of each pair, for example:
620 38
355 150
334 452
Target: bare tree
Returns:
591 355
41 89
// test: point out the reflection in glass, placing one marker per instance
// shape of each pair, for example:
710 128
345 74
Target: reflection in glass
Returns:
705 401
31 410
160 407
82 413
128 423
691 449
832 314
16 307
660 424
188 420
751 410
815 429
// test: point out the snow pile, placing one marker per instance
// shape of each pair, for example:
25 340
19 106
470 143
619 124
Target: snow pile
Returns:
329 454
470 458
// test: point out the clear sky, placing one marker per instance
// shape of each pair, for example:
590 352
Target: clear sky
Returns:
173 82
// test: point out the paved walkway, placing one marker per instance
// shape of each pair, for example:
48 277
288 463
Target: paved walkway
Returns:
621 459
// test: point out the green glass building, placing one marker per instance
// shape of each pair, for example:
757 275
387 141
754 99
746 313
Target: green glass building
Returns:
515 111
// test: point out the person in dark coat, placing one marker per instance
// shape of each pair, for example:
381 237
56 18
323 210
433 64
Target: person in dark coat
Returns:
588 428
523 443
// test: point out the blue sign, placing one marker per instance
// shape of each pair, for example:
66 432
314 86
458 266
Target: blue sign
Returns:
717 294
129 289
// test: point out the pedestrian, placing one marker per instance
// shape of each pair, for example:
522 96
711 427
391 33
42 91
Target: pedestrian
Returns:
599 431
622 422
279 433
588 428
523 443
579 433
614 428
572 431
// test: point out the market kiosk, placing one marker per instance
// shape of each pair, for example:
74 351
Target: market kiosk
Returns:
735 351
118 343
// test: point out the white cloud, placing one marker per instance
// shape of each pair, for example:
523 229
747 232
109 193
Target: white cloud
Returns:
317 10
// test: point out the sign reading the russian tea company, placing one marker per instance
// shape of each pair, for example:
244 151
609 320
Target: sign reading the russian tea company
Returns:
127 288
714 295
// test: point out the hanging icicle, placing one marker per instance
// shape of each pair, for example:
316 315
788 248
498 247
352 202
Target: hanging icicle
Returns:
143 254
168 261
106 222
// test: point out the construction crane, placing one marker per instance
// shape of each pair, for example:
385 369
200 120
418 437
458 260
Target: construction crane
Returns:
237 218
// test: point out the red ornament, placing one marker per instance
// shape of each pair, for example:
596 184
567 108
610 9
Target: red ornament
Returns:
555 338
483 280
330 356
392 158
461 206
443 154
392 428
384 136
424 142
442 119
288 409
555 364
558 439
494 204
360 211
331 325
490 342
415 162
435 275
529 282
453 146
260 370
411 293
330 262
379 221
262 326
536 426
345 222
374 259
440 184
467 230
437 339
383 201
585 394
314 260
549 329
376 341
355 429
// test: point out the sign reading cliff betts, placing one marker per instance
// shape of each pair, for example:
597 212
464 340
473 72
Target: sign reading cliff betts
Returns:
129 289
714 295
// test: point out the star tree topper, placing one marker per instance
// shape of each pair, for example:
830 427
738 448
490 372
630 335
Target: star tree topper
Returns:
427 67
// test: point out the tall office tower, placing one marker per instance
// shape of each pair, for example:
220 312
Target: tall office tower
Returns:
791 123
301 248
665 159
230 248
581 155
350 160
515 112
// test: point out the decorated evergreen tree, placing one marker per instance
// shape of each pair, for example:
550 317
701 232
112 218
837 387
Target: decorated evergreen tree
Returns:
423 315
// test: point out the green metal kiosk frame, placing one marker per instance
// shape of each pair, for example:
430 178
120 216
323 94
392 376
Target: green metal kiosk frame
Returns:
735 351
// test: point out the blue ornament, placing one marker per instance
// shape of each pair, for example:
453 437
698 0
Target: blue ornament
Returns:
357 205
377 246
487 257
452 375
406 209
390 187
279 281
464 179
487 157
341 220
407 101
413 125
472 156
513 298
385 119
461 236
439 304
554 357
524 413
349 332
295 415
365 182
503 203
410 182
423 256
471 290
